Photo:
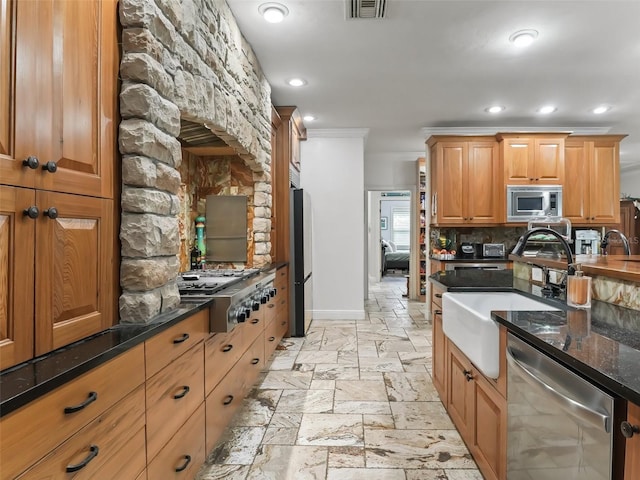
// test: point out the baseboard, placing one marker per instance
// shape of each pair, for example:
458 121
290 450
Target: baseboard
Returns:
339 315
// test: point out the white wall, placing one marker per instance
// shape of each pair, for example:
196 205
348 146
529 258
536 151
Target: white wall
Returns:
391 171
630 183
333 173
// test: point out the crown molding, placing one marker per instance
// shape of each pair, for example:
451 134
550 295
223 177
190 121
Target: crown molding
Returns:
428 131
338 133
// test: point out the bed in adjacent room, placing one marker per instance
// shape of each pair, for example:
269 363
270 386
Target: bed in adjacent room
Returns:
393 259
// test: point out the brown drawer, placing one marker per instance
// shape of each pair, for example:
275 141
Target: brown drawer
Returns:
254 326
436 295
173 394
173 342
282 323
221 352
282 278
251 363
184 454
221 404
271 339
111 446
34 430
270 310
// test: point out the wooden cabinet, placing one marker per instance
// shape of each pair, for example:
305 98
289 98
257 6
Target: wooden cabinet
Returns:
460 390
439 345
57 135
421 242
632 449
64 411
293 132
630 226
532 158
468 185
592 179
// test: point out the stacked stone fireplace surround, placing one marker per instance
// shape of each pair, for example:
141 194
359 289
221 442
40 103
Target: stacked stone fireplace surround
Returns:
185 60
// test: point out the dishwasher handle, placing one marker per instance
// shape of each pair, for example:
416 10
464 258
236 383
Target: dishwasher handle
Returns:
579 410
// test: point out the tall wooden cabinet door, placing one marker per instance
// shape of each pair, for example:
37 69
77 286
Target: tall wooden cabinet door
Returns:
460 388
66 76
575 191
518 155
549 161
433 183
17 238
490 430
451 164
439 354
484 183
605 182
74 255
632 460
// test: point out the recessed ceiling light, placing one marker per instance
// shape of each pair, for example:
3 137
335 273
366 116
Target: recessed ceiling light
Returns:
547 109
296 82
600 109
523 38
495 109
308 118
273 12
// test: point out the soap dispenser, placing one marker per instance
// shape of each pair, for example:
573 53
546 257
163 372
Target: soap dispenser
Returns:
579 289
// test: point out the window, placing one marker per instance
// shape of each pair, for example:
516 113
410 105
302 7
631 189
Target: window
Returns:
400 227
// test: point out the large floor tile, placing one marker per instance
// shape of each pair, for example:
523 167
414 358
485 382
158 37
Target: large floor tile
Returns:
365 473
288 462
420 416
305 401
331 430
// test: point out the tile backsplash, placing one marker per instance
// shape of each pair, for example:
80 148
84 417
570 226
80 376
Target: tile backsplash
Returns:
507 235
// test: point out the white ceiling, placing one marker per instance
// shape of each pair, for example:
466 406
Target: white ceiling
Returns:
441 63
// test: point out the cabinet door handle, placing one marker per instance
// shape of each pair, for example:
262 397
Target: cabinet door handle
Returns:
93 453
283 323
31 162
438 295
468 375
255 361
628 429
31 212
438 312
93 396
50 167
185 390
187 461
227 400
51 212
183 338
227 348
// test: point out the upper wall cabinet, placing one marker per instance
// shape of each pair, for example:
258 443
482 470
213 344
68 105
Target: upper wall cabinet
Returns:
58 97
591 190
466 183
532 158
294 132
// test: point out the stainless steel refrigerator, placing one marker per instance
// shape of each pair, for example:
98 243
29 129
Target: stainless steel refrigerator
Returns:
300 303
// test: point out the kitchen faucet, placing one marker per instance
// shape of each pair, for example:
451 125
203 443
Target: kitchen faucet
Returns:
522 243
623 237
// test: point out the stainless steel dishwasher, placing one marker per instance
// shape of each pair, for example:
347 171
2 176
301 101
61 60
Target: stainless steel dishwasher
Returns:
559 426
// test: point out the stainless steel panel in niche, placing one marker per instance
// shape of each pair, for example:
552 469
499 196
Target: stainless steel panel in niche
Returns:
226 232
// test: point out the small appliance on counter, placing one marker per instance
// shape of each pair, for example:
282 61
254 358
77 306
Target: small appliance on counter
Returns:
587 242
470 250
493 250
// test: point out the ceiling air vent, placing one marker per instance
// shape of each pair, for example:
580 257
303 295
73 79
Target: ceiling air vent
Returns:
366 8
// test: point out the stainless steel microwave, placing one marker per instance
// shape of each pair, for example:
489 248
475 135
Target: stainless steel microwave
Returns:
525 202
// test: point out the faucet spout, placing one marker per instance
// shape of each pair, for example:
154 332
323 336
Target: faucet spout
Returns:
522 243
623 237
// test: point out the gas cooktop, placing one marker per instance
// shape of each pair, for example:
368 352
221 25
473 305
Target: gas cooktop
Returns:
209 282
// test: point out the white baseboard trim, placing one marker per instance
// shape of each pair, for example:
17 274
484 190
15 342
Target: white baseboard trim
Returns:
339 315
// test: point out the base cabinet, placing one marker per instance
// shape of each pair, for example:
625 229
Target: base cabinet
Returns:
439 345
632 449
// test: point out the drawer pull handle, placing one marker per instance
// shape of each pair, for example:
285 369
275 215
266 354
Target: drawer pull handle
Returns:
438 295
187 461
228 399
255 320
255 361
227 348
271 305
93 396
183 338
283 323
93 453
185 390
629 430
438 312
271 339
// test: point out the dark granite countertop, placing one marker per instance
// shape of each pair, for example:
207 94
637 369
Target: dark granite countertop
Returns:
27 381
602 344
504 259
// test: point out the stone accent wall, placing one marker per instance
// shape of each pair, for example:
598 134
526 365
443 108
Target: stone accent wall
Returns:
181 59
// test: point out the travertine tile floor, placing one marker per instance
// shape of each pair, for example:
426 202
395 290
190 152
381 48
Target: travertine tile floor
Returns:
352 400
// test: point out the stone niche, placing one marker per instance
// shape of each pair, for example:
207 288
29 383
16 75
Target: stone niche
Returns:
185 61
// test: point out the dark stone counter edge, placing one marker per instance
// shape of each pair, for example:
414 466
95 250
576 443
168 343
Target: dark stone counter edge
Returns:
133 334
583 370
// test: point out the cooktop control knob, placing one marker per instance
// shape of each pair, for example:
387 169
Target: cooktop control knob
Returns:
256 306
241 315
273 292
264 299
247 311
